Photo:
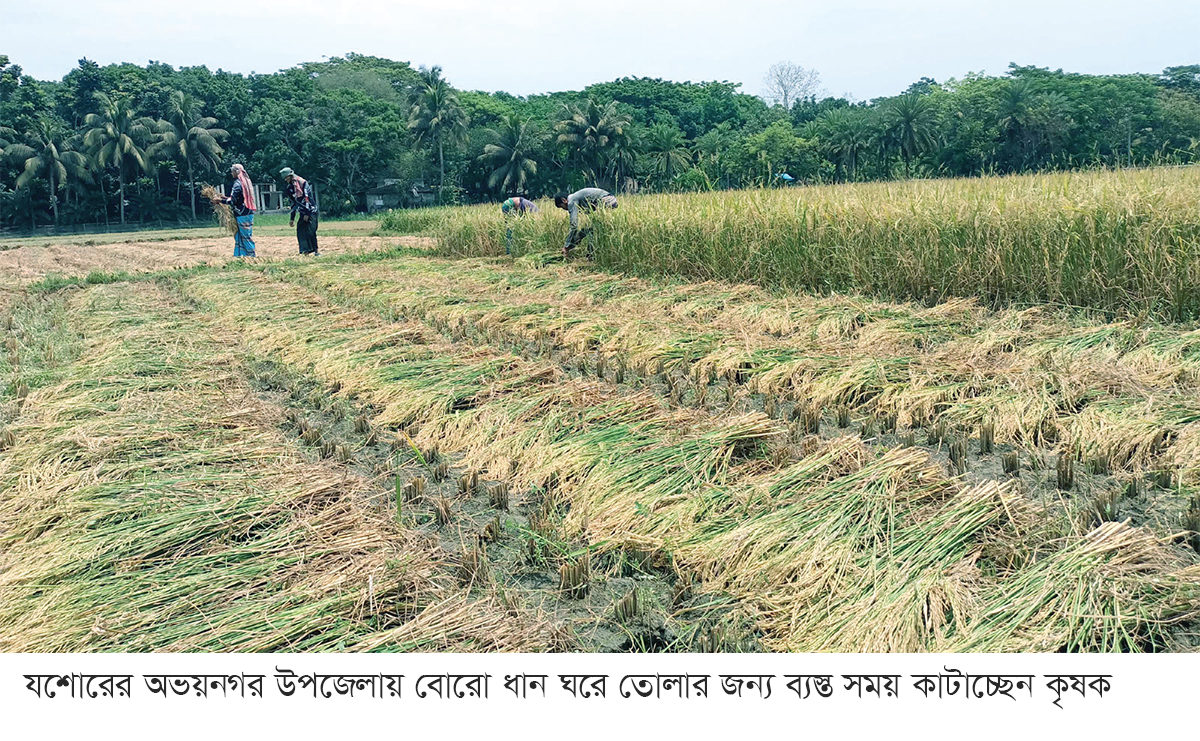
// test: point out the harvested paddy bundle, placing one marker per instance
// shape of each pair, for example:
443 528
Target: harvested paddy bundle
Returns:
220 208
459 623
1115 589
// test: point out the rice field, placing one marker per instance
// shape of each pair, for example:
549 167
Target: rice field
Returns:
1126 242
414 450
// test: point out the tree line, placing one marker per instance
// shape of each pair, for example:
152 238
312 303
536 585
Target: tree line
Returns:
130 143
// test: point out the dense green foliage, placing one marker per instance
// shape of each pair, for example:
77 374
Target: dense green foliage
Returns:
150 134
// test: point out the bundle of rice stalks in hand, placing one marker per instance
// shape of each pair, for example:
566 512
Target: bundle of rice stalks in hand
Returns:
224 213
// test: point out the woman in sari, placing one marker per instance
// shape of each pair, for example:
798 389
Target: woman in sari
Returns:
241 200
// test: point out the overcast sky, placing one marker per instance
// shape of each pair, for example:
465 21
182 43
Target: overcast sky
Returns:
861 48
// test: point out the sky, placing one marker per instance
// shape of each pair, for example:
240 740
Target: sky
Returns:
862 49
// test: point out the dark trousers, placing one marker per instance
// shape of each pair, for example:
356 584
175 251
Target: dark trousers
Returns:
578 236
306 234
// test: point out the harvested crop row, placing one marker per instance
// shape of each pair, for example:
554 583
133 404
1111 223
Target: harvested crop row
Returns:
809 545
150 504
1129 396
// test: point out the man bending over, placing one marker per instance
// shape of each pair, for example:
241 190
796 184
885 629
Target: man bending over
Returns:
589 199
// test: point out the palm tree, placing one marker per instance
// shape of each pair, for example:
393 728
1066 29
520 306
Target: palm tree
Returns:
116 137
909 124
508 154
1014 108
622 154
664 146
50 154
190 138
709 146
597 136
436 116
845 134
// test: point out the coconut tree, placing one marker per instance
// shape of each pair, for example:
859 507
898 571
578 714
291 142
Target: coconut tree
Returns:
665 150
597 136
622 154
436 116
48 153
117 137
190 138
508 154
909 124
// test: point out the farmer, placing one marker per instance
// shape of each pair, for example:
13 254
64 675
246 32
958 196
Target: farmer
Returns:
518 206
241 202
300 192
589 198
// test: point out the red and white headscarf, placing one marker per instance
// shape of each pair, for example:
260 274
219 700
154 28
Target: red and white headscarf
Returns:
247 187
298 184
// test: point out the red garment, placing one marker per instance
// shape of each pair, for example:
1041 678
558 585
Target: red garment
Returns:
298 184
247 188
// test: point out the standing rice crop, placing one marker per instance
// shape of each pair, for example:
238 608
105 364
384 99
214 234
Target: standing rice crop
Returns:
1125 241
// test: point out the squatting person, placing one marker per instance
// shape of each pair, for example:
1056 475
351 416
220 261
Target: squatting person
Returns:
589 198
300 193
515 206
241 202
